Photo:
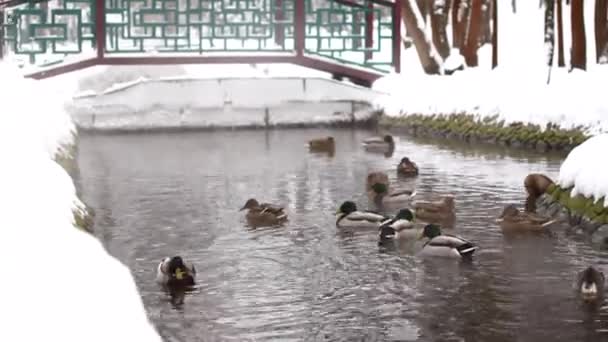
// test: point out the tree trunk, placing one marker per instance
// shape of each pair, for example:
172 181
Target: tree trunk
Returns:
514 5
579 44
472 37
486 32
414 24
549 30
460 15
423 6
601 29
455 24
561 61
439 21
494 34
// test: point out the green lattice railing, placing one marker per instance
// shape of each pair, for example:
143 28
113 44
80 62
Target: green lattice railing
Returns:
346 31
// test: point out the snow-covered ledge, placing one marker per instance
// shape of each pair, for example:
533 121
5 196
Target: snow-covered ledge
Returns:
61 284
195 102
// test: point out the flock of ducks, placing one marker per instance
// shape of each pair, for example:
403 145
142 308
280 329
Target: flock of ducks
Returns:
415 220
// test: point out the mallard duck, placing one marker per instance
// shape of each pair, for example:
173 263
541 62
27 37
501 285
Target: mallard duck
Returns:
376 177
263 214
441 211
380 195
400 227
407 168
322 145
536 185
384 144
590 283
445 245
350 217
514 220
172 271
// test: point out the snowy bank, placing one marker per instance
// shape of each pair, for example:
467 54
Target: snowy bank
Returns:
75 290
499 99
194 101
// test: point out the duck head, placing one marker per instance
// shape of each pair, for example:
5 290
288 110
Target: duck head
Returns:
405 214
389 139
379 188
330 139
430 231
177 269
405 161
250 204
347 208
591 283
509 211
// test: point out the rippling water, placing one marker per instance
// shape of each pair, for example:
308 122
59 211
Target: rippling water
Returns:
157 195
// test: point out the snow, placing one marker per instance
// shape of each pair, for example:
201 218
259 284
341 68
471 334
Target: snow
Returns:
515 91
586 170
60 284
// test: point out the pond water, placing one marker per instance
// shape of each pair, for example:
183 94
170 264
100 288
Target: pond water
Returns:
158 195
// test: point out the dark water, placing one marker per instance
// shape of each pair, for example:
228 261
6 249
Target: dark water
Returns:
163 194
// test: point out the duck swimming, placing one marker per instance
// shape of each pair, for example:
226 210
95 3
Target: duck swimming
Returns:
385 144
590 284
536 185
380 195
172 271
322 145
407 168
449 246
400 227
513 220
263 214
441 211
350 217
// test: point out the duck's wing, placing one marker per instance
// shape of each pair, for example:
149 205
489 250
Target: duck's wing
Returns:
537 219
366 216
275 209
401 224
373 140
397 193
463 246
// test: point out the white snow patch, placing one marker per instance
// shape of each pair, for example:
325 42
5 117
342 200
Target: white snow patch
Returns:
61 284
586 169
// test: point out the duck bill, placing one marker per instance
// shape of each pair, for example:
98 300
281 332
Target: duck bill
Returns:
243 208
179 274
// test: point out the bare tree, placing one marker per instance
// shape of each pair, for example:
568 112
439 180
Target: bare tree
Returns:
579 44
549 30
486 30
430 60
439 20
494 34
561 61
601 29
472 37
460 13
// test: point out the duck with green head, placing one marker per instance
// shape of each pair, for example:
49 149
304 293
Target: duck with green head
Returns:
512 220
263 214
400 227
440 245
172 271
350 217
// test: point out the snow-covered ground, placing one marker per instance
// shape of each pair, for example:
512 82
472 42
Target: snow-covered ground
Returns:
518 90
59 283
585 169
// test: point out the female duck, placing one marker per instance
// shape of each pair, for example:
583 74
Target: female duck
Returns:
512 220
384 144
407 168
380 195
449 246
350 217
442 211
590 284
263 214
173 272
322 145
400 227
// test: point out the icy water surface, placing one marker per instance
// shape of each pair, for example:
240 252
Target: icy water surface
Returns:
163 194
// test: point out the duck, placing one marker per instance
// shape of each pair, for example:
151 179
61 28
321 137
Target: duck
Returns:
590 283
514 220
440 211
536 185
350 217
400 227
376 177
172 271
385 144
407 168
322 145
440 245
380 195
263 214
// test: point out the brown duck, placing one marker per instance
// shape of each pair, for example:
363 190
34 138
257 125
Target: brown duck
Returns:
322 145
536 185
514 220
441 211
407 168
263 214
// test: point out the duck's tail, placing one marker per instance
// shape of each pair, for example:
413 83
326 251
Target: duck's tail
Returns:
467 249
548 223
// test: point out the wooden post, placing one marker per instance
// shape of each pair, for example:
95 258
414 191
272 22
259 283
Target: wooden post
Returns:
561 62
300 27
100 27
397 35
1 34
369 29
494 33
279 29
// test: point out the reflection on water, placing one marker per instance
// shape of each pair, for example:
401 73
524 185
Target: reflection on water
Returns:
157 195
